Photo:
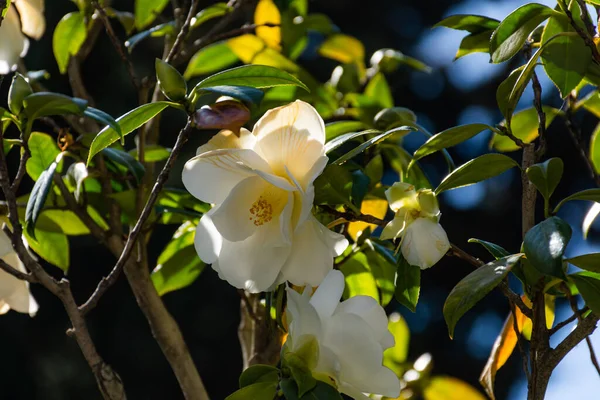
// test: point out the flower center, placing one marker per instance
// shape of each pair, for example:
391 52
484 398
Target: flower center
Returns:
261 212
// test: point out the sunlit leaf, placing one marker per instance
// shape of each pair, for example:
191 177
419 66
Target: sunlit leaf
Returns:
257 76
546 176
146 11
589 262
589 219
214 11
258 391
449 388
258 373
343 48
266 12
338 128
371 142
359 278
524 125
588 194
589 288
69 35
51 246
474 43
210 59
375 207
545 244
448 138
379 90
44 151
469 23
594 153
395 356
408 284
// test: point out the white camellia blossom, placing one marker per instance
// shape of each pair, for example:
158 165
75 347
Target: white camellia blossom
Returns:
424 241
14 293
351 336
13 43
261 231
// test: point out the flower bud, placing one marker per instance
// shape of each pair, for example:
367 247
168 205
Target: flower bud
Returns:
19 89
170 80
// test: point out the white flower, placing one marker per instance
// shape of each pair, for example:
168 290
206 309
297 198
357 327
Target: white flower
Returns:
424 241
351 336
261 231
14 293
13 43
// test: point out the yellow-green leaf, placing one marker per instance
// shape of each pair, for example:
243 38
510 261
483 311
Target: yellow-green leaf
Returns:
448 388
69 35
524 126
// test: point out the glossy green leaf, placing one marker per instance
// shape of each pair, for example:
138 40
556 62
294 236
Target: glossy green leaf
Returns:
19 89
38 196
545 244
167 28
178 265
503 93
474 43
399 160
448 138
152 153
210 59
44 151
105 119
246 94
359 277
588 194
408 284
476 170
524 125
546 176
379 91
128 123
474 287
69 35
146 11
469 23
321 391
589 288
495 250
370 142
257 76
338 128
257 391
393 117
589 262
67 221
42 104
170 81
258 373
594 153
339 140
51 246
566 59
591 103
214 11
589 219
510 35
126 160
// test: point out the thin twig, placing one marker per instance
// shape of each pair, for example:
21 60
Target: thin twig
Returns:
567 321
351 217
108 281
573 304
14 187
575 134
185 29
16 273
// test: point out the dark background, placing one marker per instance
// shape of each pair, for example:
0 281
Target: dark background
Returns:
40 362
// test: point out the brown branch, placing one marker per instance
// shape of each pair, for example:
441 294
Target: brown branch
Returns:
567 321
573 304
575 134
537 104
16 273
183 32
584 329
107 282
117 44
14 187
583 34
351 217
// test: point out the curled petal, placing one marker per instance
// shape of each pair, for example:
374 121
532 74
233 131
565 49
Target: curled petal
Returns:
425 243
402 195
327 296
33 23
207 240
15 292
227 139
373 314
393 229
14 44
303 318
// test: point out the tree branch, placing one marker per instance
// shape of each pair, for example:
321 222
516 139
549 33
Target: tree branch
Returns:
583 34
573 304
185 29
567 321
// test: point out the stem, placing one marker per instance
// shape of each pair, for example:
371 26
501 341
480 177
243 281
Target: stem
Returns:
259 337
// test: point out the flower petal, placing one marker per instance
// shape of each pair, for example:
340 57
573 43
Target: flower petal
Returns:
425 243
254 263
227 139
207 240
393 229
212 175
302 317
373 314
33 23
252 203
313 249
14 44
327 296
291 136
15 292
402 195
5 244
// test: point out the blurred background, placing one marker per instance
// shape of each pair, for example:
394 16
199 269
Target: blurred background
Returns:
41 362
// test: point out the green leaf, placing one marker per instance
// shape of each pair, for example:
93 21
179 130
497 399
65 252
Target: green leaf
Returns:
383 267
399 160
408 284
167 28
334 186
567 58
339 140
338 128
591 103
343 48
589 262
178 265
65 220
246 94
19 89
476 170
42 104
321 391
299 369
44 151
128 123
589 219
124 159
104 118
370 142
469 23
474 287
257 76
395 356
152 153
4 10
588 194
51 246
257 391
448 138
359 277
69 35
595 149
545 244
389 118
495 250
474 43
146 11
258 373
510 35
38 196
589 288
210 59
213 11
503 94
524 125
379 91
170 81
546 176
